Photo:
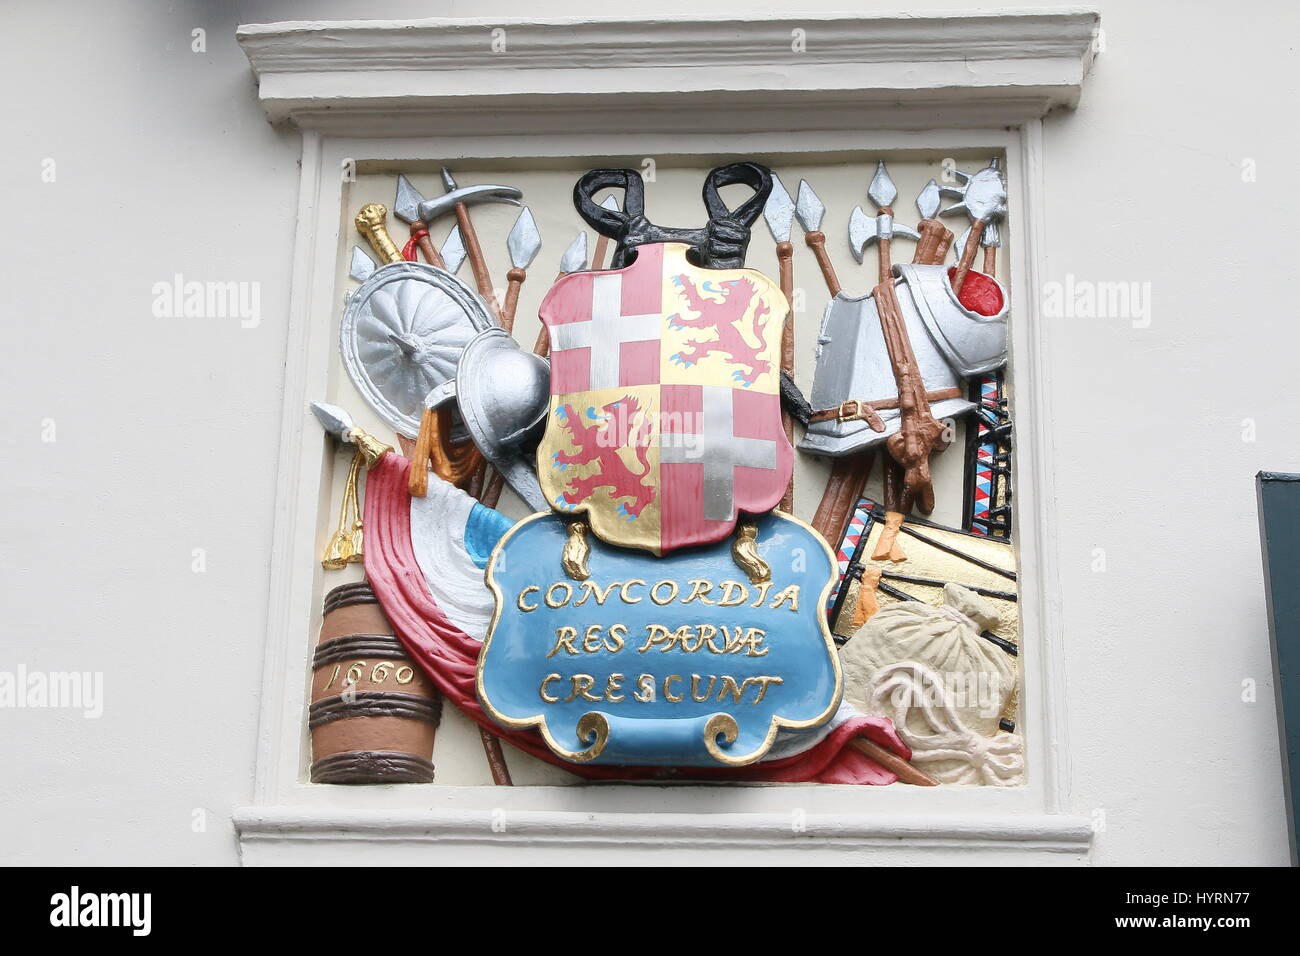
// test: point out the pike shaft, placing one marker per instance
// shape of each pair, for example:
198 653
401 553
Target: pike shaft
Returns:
843 489
817 243
785 259
514 282
476 260
968 255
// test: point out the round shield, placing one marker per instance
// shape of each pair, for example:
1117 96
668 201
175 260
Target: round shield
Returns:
402 335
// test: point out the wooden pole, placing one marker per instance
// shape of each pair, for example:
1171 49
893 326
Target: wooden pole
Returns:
817 243
895 764
968 255
785 261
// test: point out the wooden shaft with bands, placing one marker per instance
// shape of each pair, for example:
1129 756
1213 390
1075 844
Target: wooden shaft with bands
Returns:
432 256
886 265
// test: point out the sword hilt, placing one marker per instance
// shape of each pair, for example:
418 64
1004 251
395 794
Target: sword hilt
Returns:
372 222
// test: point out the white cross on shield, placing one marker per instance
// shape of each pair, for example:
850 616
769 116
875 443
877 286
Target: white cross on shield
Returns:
719 450
607 330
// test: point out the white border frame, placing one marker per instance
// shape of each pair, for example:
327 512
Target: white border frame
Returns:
293 821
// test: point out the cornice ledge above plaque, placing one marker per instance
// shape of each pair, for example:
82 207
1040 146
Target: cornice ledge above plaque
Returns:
669 74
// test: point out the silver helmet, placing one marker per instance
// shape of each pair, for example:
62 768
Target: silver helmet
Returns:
503 393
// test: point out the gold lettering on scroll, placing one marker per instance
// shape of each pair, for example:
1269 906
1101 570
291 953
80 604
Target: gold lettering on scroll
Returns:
724 594
672 688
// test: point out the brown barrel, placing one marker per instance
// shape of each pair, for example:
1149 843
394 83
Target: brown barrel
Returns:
373 712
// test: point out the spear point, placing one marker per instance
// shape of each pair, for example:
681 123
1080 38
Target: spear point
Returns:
524 240
575 257
882 190
927 202
333 419
808 208
779 211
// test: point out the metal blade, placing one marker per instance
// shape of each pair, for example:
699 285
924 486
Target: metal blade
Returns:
406 206
863 230
809 208
610 203
334 420
959 244
779 211
927 202
575 257
990 236
524 240
453 250
882 190
362 265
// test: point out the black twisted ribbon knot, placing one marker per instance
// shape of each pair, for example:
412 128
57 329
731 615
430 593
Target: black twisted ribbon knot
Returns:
719 244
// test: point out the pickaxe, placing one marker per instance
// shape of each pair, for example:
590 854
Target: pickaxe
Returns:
779 215
407 208
810 210
460 199
984 198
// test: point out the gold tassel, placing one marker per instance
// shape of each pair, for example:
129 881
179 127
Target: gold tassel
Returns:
744 551
576 551
345 546
338 552
353 491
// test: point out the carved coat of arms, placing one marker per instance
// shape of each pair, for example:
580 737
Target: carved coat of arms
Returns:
665 415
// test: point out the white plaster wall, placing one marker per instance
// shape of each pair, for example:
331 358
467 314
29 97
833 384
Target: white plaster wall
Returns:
167 428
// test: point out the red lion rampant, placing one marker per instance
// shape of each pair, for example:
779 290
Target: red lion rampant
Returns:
725 318
621 425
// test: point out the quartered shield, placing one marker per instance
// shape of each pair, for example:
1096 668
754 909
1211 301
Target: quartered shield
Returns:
402 335
665 411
